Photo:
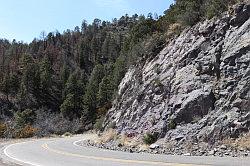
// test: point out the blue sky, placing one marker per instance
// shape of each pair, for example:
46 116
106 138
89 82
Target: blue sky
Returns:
26 19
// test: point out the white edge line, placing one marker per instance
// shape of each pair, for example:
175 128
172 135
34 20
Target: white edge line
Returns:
100 149
16 159
75 143
21 162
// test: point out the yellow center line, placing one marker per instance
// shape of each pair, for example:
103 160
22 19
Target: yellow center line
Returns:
46 147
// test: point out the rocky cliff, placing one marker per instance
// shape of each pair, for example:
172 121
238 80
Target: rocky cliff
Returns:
197 89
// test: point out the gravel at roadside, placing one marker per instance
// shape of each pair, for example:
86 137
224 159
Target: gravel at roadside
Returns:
221 151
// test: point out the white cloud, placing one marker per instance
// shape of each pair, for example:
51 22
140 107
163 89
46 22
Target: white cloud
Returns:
112 4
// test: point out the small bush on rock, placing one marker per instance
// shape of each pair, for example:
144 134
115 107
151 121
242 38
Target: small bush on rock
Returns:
157 82
172 124
112 125
157 69
67 134
98 124
149 138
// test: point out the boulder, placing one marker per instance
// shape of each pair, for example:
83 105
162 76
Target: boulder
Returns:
194 89
154 146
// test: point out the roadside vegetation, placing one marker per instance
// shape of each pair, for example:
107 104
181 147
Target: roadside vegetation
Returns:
66 82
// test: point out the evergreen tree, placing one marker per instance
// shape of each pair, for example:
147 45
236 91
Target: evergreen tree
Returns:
73 96
106 90
64 75
215 7
46 75
68 108
95 50
26 117
84 26
96 25
105 49
29 93
31 79
119 71
113 50
100 53
5 86
84 54
14 84
90 97
26 60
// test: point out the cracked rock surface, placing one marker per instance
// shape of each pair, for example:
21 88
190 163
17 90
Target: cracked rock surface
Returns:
197 89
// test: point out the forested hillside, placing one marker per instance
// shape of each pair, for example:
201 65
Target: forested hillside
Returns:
66 82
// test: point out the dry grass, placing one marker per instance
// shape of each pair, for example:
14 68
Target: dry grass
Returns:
169 145
108 136
124 140
3 129
27 132
111 134
128 141
242 142
174 29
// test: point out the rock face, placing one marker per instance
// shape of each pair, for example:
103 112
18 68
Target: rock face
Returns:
196 89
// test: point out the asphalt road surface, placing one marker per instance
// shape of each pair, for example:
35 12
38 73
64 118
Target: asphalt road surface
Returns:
65 152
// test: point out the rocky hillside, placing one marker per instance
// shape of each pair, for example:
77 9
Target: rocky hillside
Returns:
197 89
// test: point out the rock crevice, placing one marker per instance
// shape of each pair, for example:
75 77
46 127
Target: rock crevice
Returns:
200 82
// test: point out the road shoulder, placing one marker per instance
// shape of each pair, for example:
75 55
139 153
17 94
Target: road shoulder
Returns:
4 160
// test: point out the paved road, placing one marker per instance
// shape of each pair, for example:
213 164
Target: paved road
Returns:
64 152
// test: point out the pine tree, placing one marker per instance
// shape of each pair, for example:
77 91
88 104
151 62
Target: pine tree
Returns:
84 26
119 71
14 84
26 117
31 79
29 93
64 75
26 60
113 50
92 89
84 54
105 49
5 86
73 96
68 107
215 7
46 75
95 50
9 85
106 90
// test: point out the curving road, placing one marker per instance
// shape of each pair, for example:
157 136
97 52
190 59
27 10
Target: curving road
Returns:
65 152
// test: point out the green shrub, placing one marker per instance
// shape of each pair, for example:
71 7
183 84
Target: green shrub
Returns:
157 82
173 31
149 138
67 134
172 124
157 69
26 117
98 124
112 125
217 7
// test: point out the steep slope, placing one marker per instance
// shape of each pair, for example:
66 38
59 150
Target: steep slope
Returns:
196 89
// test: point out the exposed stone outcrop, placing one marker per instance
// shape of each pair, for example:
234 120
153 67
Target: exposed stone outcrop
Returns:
196 89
